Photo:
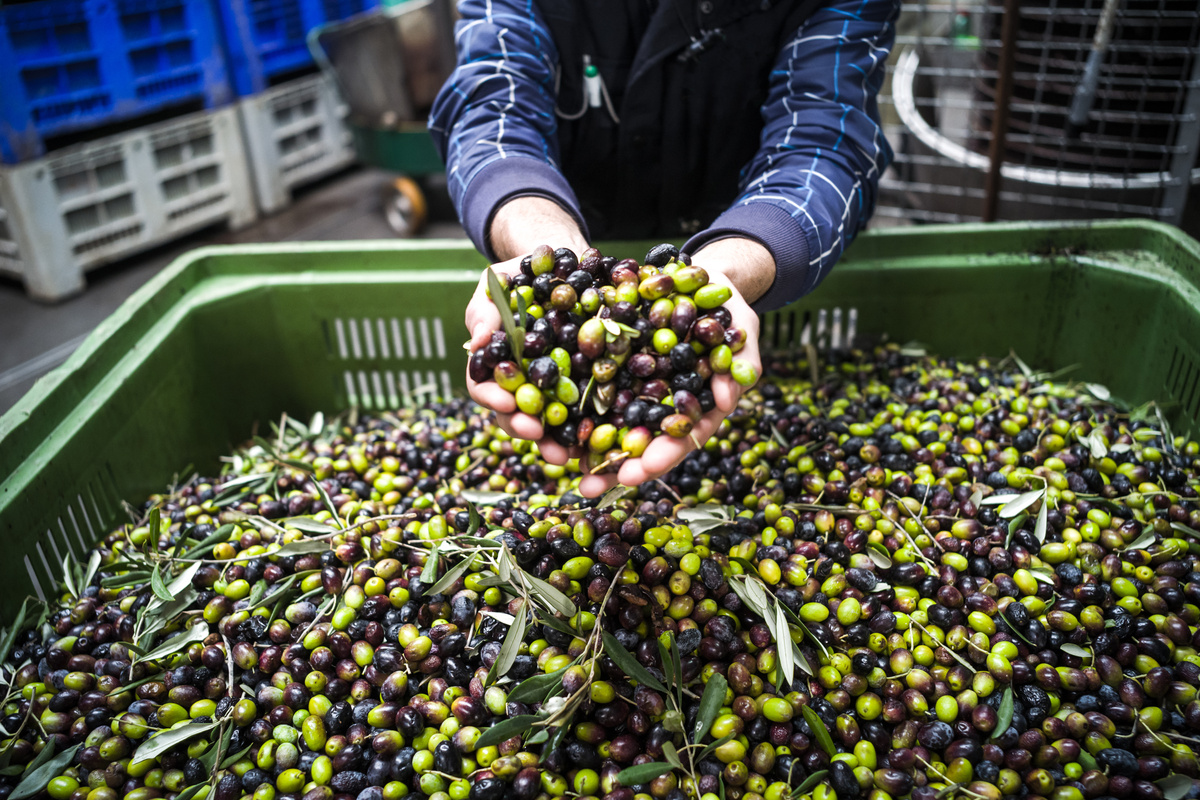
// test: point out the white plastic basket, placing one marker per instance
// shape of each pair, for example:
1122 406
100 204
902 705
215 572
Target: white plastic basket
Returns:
294 135
92 204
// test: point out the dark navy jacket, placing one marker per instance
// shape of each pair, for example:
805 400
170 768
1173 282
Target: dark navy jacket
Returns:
718 118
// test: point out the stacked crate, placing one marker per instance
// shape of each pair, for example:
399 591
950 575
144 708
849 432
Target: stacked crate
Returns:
291 118
125 124
117 133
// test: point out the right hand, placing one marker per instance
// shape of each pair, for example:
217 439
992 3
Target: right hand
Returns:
482 321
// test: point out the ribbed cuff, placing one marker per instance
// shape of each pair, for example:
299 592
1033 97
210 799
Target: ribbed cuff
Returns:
504 179
774 229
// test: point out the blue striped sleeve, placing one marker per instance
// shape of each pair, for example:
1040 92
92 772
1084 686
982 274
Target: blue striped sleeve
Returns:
812 185
493 121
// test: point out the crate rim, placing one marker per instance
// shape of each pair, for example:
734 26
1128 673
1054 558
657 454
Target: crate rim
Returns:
130 310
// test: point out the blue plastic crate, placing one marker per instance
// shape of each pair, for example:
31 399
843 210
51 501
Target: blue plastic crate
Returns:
73 65
266 40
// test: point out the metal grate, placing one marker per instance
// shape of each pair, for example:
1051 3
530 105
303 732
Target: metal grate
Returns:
1134 156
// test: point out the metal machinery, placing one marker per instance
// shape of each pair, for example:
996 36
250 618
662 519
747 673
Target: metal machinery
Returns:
1099 110
389 65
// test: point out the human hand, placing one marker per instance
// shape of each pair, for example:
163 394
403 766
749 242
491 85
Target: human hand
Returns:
665 452
519 226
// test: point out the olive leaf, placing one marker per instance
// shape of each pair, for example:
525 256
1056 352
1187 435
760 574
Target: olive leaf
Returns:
1004 714
506 729
302 546
614 494
221 534
711 747
1146 539
429 572
154 524
783 646
1174 787
68 578
500 299
36 780
1076 650
11 637
511 646
475 520
307 525
1094 442
233 759
811 782
1014 525
504 567
158 587
671 754
158 613
522 316
710 703
47 753
706 518
183 580
482 498
280 590
196 633
1022 502
452 575
668 649
257 591
879 556
642 773
1039 529
209 758
630 665
1043 574
1185 530
550 596
820 732
533 690
92 567
162 742
976 497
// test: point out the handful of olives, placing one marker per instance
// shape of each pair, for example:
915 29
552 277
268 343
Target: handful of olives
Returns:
611 353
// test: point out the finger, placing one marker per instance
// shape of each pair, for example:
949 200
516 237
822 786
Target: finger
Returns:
596 485
490 395
505 423
526 427
725 393
553 452
486 321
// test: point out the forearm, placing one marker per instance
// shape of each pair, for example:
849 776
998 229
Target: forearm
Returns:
523 223
494 122
744 262
812 185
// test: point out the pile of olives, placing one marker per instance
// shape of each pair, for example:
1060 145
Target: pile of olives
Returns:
617 352
913 578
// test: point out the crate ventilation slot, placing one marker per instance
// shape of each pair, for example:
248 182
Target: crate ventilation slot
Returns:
1183 383
384 389
824 328
386 338
392 339
80 525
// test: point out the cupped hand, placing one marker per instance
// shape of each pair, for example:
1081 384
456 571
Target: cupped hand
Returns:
665 452
483 320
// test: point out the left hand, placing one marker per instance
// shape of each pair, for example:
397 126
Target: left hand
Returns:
665 452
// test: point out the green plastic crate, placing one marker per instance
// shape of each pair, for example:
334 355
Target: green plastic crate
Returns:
227 338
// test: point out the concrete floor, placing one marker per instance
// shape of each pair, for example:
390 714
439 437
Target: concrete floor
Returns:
35 337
